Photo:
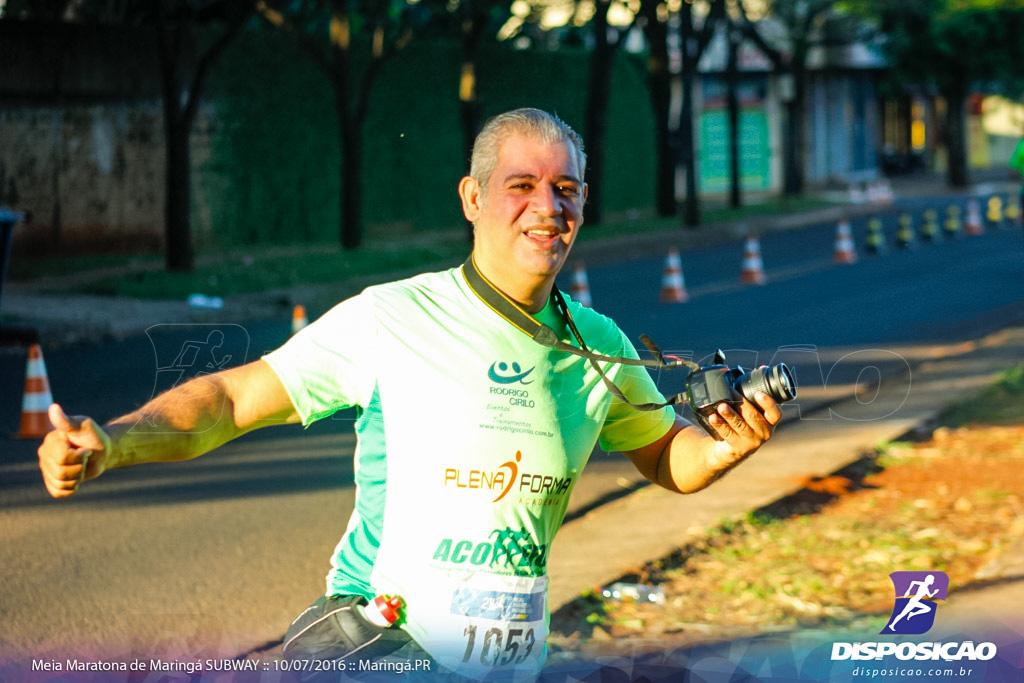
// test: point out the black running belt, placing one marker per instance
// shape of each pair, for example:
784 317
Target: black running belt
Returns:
518 317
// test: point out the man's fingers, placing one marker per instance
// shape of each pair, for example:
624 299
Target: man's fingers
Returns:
748 423
64 469
64 456
733 420
769 408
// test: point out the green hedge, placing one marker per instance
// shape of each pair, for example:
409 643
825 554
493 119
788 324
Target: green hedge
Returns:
271 174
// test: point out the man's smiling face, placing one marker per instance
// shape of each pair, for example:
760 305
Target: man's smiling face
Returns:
527 218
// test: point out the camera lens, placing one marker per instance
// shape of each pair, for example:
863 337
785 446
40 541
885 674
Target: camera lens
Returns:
775 380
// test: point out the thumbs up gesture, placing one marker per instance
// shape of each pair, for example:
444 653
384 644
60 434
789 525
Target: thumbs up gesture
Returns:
76 450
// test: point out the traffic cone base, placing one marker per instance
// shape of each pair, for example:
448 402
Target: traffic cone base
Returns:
973 225
35 422
753 267
673 287
580 287
844 251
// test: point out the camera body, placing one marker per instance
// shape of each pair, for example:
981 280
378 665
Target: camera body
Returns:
714 384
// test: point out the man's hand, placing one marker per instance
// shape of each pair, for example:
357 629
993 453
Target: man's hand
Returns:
76 450
687 459
742 432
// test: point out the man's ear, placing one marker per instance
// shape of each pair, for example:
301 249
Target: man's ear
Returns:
472 199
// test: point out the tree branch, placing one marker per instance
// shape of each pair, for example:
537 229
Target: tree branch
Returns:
209 57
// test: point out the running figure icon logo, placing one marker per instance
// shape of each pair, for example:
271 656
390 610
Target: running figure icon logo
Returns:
916 593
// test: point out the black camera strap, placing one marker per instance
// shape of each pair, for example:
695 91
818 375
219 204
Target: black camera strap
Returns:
518 317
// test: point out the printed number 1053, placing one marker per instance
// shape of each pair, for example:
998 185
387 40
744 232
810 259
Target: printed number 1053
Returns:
499 646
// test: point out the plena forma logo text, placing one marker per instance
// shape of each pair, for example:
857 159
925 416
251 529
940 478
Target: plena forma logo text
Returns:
504 478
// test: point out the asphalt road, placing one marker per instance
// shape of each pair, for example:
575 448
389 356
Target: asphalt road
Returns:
215 556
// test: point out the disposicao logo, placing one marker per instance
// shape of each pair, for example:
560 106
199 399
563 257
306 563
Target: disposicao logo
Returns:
913 614
916 593
518 374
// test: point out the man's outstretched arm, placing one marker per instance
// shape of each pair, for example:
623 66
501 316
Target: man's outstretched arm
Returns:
182 423
687 459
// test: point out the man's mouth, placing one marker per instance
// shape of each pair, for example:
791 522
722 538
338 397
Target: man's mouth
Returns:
545 235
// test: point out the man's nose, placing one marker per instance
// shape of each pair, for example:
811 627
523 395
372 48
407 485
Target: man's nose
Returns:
546 201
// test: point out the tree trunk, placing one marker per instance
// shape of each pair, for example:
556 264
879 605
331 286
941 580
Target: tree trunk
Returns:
732 78
350 129
795 149
956 137
687 148
177 124
351 139
471 29
659 85
180 103
178 204
598 95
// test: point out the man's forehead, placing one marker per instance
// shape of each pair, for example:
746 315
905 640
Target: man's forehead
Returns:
523 154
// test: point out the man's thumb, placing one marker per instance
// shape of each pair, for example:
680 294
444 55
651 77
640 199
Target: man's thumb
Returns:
79 430
60 420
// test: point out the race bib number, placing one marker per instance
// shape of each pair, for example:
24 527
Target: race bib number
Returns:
504 621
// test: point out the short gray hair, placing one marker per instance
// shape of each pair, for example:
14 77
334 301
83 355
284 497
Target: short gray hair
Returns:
529 122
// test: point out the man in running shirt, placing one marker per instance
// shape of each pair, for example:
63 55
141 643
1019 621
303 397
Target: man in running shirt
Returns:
471 434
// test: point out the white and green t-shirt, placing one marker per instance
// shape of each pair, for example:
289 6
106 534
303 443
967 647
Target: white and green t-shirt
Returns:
471 437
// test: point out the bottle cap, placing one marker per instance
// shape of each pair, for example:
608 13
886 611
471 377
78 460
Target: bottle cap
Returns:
388 607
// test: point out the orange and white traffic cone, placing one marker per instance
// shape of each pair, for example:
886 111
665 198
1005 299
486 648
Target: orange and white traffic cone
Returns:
973 224
37 399
844 251
753 267
299 319
580 288
673 287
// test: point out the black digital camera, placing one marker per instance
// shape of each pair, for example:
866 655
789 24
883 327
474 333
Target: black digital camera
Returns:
717 383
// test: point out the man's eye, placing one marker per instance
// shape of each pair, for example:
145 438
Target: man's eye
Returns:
568 190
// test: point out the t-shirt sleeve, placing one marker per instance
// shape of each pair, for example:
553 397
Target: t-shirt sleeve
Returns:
327 365
625 427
